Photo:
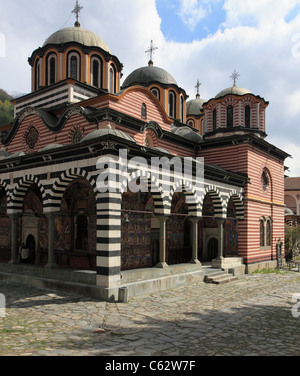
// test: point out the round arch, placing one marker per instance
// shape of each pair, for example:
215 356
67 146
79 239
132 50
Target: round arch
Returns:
15 200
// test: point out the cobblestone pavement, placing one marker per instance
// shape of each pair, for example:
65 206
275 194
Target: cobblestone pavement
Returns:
250 316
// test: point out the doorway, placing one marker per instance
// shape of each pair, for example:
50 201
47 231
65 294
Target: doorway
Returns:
212 249
30 244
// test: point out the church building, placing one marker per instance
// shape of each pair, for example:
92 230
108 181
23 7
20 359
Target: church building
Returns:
69 133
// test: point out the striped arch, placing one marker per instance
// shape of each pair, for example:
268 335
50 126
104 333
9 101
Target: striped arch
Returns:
191 198
16 198
61 184
160 206
214 194
238 203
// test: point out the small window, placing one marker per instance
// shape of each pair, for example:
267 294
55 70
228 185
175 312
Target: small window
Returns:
172 104
262 232
191 123
156 92
230 117
112 79
96 72
51 70
74 66
268 233
247 116
144 111
37 75
264 181
214 119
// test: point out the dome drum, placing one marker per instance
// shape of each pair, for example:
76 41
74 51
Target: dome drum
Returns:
79 54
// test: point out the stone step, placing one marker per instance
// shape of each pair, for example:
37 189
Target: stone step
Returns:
219 278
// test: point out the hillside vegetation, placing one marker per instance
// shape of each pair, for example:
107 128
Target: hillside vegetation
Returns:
6 108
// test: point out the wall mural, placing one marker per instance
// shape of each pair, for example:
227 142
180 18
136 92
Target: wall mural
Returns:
137 209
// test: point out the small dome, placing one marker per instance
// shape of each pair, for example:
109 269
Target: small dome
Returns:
233 90
188 133
194 106
104 132
78 35
288 211
51 146
146 75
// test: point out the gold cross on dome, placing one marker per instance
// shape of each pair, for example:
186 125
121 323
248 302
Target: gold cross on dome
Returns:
151 50
77 10
235 76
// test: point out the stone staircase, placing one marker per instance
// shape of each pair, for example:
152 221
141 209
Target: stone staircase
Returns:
220 277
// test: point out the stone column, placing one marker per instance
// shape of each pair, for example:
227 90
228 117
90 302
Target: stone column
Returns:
217 263
195 222
51 255
162 243
220 222
14 238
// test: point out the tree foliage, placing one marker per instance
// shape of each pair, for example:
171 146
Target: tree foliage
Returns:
6 108
292 242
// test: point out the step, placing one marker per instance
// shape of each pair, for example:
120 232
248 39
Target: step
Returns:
220 278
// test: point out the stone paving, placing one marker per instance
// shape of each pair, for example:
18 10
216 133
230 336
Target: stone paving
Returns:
250 316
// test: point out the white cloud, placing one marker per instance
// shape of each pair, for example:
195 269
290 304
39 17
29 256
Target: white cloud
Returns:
191 12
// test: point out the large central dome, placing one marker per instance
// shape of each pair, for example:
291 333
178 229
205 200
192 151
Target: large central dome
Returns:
148 74
78 35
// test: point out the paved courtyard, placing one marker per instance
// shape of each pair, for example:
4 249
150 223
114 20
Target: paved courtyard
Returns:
256 315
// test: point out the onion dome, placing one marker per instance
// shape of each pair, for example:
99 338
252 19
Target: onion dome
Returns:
233 90
149 74
194 106
77 35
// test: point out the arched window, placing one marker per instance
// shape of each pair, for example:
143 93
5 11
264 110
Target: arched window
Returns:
230 117
191 123
156 92
181 108
144 111
214 121
268 233
262 232
112 79
247 116
74 66
37 75
51 69
96 72
172 104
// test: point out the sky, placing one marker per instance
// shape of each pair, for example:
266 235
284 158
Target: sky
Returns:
196 39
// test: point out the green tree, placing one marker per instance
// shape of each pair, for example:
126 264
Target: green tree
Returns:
6 108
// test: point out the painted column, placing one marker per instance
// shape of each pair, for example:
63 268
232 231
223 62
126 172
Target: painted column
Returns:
195 222
51 250
14 235
162 243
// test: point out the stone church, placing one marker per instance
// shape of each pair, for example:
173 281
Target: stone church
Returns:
80 112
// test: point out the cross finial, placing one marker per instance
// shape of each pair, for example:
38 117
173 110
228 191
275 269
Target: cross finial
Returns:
198 87
77 11
150 51
235 76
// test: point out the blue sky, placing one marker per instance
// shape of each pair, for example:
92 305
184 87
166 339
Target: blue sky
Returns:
197 21
196 39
